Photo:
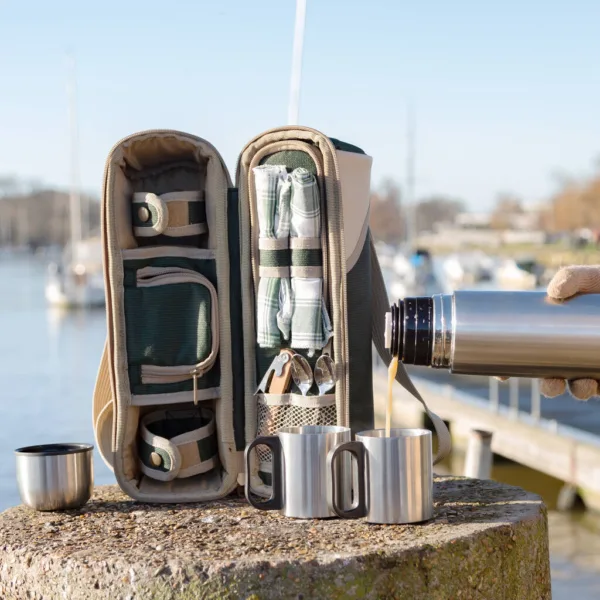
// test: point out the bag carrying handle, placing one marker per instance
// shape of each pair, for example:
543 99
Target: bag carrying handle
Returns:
379 306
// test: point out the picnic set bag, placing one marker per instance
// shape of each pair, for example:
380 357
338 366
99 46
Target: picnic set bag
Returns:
208 280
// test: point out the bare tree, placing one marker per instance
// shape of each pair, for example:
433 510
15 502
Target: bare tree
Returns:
38 217
507 207
386 218
437 209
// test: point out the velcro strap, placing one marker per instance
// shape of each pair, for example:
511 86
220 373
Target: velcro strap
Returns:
273 243
305 243
274 258
307 257
178 443
306 272
280 272
175 214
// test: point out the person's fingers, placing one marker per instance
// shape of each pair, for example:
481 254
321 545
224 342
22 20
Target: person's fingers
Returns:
502 378
552 387
572 280
583 389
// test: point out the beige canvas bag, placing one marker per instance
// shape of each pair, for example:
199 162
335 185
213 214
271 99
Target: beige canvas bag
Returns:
176 397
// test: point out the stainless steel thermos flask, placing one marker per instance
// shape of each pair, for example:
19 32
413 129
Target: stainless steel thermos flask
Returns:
497 333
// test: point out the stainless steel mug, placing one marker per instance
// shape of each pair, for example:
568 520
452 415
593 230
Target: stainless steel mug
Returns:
301 480
55 476
398 475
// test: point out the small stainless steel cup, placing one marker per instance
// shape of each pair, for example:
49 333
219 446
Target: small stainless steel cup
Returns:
301 481
55 476
398 475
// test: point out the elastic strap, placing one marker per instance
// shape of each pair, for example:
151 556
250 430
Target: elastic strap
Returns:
178 443
174 214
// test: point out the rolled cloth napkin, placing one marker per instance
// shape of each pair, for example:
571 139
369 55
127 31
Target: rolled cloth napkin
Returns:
274 298
311 327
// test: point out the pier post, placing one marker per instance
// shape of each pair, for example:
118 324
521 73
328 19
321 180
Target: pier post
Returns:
478 463
513 390
536 400
494 393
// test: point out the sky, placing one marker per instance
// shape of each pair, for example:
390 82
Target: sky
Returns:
506 95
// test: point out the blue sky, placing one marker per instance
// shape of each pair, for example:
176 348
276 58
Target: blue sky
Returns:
505 94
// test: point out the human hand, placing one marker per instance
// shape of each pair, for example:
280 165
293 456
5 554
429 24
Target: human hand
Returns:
566 283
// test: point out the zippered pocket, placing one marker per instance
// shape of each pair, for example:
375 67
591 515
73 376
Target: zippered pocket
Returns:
172 327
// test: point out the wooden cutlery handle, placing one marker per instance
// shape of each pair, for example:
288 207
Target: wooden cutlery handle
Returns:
281 383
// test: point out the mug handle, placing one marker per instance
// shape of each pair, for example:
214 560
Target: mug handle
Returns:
275 502
358 451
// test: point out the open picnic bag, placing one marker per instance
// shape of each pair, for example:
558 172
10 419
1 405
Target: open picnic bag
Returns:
208 280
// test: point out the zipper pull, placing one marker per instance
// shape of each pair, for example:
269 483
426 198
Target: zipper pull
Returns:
195 374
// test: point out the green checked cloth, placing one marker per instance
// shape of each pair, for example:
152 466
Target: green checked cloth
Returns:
274 298
311 326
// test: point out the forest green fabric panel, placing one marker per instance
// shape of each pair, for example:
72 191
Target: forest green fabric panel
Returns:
359 334
292 159
208 447
168 325
210 379
172 426
346 147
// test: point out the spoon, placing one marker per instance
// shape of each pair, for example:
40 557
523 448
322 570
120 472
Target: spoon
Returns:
302 373
324 374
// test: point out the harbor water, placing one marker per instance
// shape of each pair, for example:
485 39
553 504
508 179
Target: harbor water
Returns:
48 364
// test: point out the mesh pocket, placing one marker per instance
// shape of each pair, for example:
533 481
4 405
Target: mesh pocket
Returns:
291 410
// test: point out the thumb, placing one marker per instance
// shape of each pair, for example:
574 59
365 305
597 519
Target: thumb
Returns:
572 280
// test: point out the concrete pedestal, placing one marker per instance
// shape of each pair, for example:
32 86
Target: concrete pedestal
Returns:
486 540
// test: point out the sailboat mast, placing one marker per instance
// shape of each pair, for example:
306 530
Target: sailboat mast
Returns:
74 197
411 206
294 102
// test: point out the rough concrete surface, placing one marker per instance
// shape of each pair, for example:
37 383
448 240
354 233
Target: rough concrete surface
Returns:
487 541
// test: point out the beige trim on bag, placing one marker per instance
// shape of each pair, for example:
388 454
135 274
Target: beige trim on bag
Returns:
273 271
355 179
175 397
334 259
306 272
305 243
217 183
162 251
273 243
298 400
102 410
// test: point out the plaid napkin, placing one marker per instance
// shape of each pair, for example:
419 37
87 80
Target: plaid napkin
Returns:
274 298
311 326
305 205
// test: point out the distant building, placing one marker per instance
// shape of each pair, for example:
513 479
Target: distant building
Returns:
473 221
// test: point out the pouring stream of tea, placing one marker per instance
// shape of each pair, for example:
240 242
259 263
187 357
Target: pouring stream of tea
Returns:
392 370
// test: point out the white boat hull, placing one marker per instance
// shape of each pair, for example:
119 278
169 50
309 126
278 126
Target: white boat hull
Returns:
60 294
